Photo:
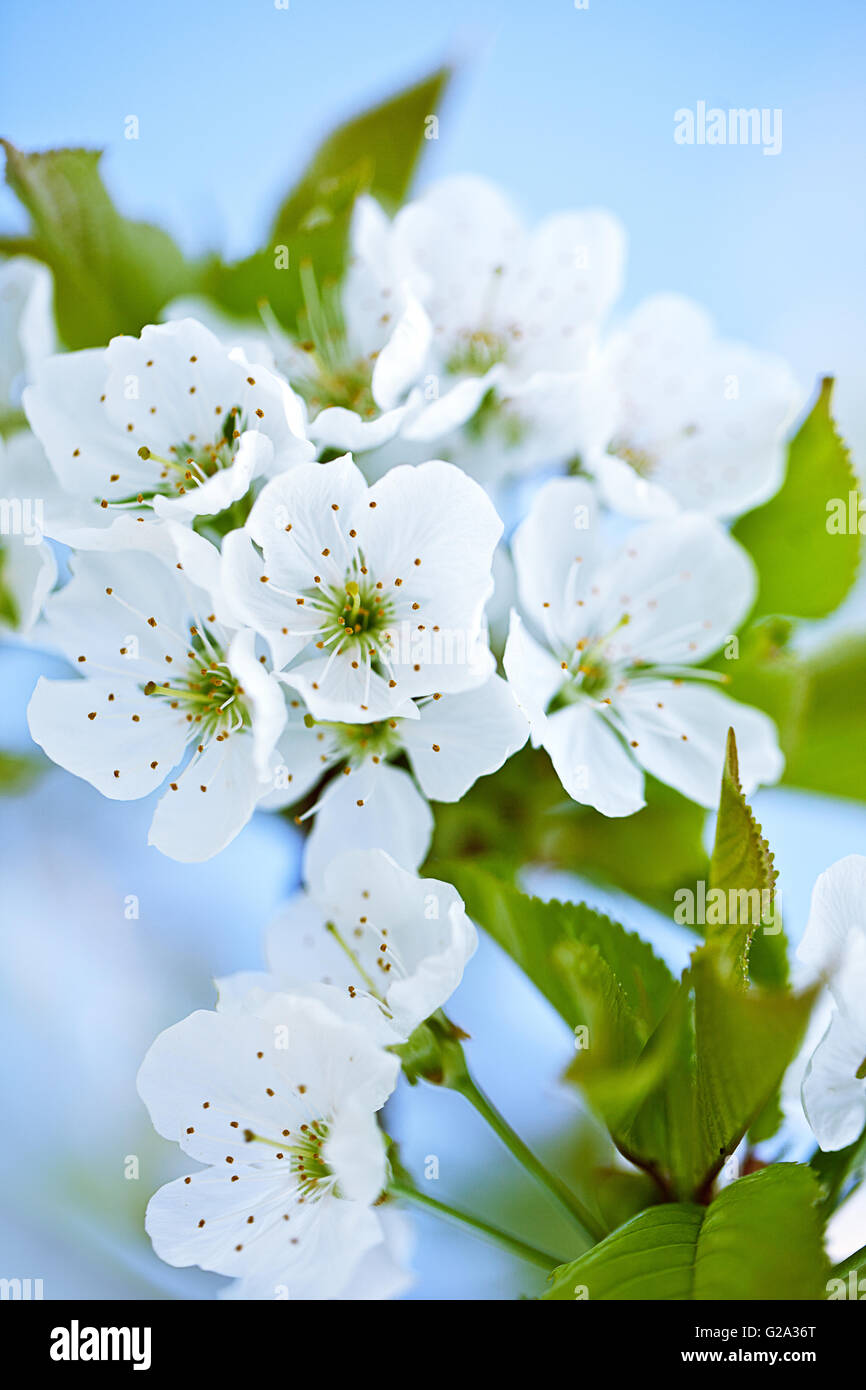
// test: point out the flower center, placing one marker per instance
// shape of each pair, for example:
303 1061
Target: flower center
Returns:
359 741
357 616
208 693
338 384
476 351
191 463
304 1148
588 669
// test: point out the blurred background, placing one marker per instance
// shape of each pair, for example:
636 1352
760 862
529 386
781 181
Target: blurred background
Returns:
563 106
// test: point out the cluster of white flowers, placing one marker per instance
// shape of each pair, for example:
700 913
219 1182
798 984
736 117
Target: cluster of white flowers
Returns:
282 560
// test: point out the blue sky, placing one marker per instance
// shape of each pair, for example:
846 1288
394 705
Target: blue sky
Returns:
563 106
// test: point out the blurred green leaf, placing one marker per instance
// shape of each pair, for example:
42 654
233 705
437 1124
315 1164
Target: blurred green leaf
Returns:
9 614
760 1239
817 703
522 816
17 771
376 153
387 139
805 570
111 275
838 1170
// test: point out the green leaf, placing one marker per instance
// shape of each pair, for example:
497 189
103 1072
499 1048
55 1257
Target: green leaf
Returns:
9 614
741 868
733 1049
805 570
760 1239
816 702
387 138
838 1170
17 771
570 952
111 275
375 152
522 816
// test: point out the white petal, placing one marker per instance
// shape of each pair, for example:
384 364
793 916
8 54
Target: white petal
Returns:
837 913
343 689
392 816
401 361
460 738
679 734
125 614
202 1074
573 276
302 513
711 416
592 762
421 923
65 404
125 750
28 573
834 1098
209 802
339 428
254 455
458 238
533 674
259 604
450 410
303 755
26 323
266 701
685 586
556 551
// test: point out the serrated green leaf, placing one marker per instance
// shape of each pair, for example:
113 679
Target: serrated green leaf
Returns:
741 868
760 1239
545 937
733 1049
111 275
804 569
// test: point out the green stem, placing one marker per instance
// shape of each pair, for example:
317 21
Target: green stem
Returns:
588 1224
512 1244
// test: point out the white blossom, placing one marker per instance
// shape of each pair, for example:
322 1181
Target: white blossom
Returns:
166 691
607 670
279 1100
686 420
368 597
